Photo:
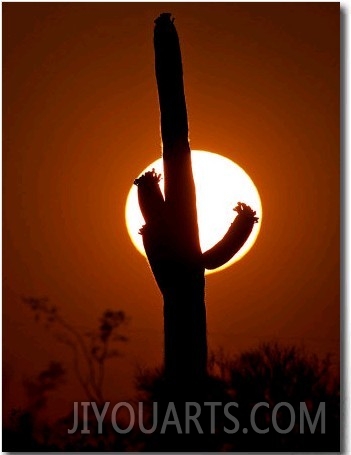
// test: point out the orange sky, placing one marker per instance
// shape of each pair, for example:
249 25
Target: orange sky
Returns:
81 120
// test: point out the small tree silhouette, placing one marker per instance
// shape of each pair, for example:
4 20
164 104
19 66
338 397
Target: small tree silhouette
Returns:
90 350
170 234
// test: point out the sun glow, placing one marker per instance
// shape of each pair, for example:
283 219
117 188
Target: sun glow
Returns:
220 184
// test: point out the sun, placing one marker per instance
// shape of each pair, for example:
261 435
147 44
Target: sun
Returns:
220 184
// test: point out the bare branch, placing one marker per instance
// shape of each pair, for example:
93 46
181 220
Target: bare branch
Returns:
92 352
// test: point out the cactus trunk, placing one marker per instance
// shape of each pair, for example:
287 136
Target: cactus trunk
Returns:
171 234
183 294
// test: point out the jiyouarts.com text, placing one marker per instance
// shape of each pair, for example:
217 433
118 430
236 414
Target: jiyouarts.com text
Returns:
261 419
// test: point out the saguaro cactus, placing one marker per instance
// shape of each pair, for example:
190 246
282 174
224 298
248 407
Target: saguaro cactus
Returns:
170 234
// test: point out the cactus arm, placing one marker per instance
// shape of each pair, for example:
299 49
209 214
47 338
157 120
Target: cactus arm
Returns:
152 207
150 197
233 240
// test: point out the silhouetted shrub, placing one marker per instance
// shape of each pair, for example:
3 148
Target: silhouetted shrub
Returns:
271 374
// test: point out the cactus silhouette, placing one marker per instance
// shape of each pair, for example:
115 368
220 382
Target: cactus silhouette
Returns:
170 234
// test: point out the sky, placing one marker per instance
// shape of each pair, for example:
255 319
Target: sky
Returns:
81 120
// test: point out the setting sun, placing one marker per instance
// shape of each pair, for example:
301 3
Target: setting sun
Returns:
220 184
